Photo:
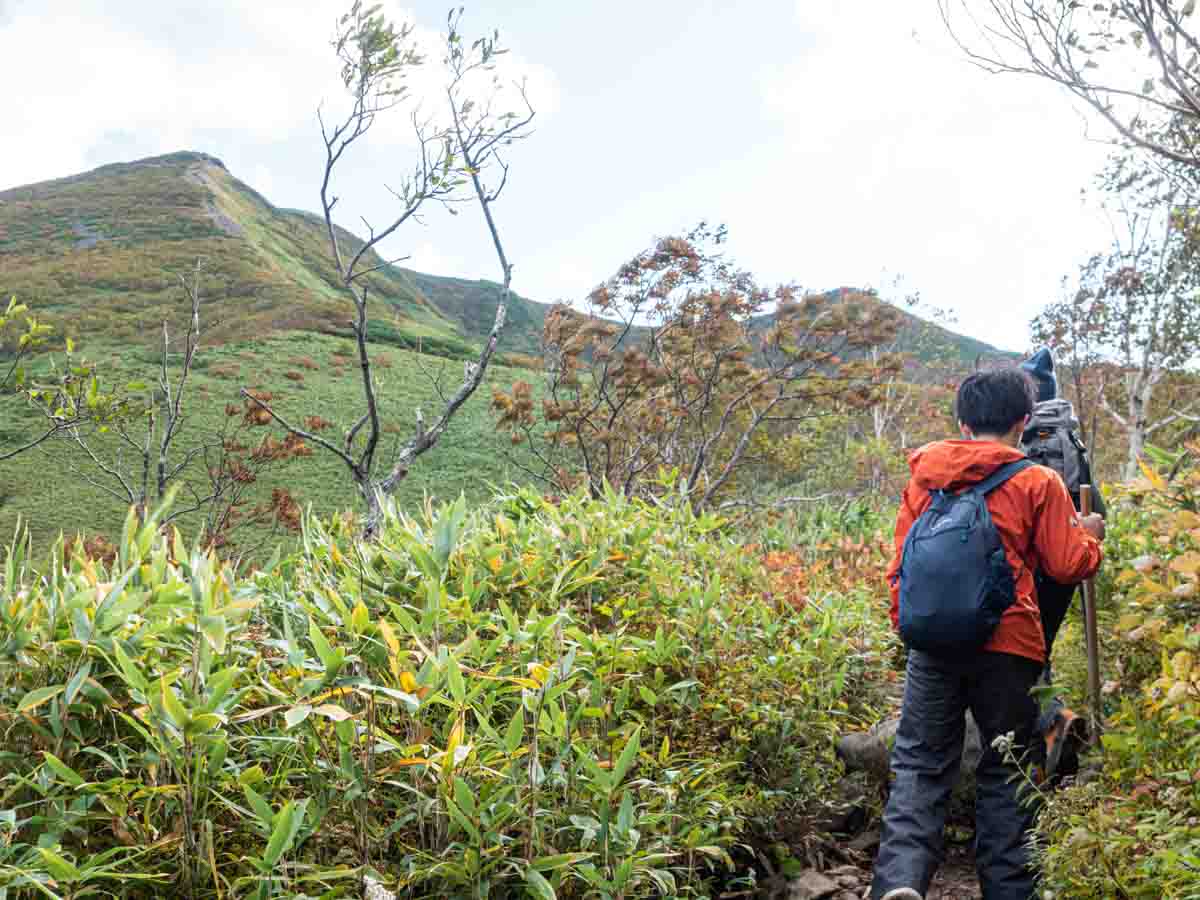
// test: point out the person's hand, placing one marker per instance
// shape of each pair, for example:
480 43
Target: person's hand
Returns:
1093 524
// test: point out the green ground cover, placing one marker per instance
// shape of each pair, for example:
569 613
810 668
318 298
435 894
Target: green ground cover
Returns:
43 490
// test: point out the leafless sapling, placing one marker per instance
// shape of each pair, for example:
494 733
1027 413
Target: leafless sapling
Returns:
459 158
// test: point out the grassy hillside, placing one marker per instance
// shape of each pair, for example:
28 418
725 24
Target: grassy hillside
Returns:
99 254
309 374
471 305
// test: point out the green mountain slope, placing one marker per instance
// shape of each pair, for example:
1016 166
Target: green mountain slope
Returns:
55 489
99 255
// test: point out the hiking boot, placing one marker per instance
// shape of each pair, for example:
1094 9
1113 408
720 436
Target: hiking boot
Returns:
1063 739
902 894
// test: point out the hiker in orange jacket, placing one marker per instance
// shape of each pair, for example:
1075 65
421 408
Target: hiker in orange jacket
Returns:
1039 530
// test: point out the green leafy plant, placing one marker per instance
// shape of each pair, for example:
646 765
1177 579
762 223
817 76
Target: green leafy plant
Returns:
1131 831
586 698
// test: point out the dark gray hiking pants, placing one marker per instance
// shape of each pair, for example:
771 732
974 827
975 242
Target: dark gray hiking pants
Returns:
925 760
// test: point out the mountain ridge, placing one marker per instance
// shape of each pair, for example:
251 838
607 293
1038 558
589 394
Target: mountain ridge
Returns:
98 253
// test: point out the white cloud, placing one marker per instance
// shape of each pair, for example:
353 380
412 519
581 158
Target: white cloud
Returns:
172 74
837 147
426 257
902 155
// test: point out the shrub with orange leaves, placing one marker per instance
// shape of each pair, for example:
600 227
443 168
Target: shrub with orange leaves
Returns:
676 366
788 578
96 547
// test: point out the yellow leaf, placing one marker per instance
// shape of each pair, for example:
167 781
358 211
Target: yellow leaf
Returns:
665 751
1185 520
1128 622
1153 477
1181 665
495 564
452 745
404 763
359 617
389 637
408 683
1177 694
332 692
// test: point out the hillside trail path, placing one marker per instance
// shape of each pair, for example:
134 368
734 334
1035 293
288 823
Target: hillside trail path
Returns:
956 880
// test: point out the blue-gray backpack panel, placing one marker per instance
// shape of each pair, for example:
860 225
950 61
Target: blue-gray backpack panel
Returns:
955 580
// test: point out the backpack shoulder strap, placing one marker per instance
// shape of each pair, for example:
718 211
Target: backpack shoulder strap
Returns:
1001 475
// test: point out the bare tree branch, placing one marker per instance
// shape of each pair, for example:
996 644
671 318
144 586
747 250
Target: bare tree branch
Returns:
375 57
1071 43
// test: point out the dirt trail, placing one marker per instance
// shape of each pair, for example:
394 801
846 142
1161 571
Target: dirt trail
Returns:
956 879
846 874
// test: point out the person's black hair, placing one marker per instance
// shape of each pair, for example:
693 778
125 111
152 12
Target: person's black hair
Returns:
993 402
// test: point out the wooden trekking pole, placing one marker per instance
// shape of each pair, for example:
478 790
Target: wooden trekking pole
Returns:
1091 634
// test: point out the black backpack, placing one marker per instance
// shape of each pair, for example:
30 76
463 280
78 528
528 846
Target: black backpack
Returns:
1051 439
955 580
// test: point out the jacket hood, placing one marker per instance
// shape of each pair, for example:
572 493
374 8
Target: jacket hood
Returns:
957 464
1040 367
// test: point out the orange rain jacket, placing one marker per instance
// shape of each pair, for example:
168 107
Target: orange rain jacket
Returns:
1032 512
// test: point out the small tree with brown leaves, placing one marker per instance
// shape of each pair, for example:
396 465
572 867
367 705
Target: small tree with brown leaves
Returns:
676 365
461 159
145 446
235 463
904 411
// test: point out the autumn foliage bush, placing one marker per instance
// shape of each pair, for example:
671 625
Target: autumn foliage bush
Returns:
584 698
1135 830
682 361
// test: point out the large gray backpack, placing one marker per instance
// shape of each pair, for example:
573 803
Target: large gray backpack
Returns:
1052 439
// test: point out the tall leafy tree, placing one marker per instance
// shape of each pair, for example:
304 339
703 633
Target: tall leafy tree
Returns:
1135 320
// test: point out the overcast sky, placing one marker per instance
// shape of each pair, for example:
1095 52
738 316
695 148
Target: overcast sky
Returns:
842 143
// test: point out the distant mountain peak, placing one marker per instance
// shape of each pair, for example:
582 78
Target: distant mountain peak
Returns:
99 254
